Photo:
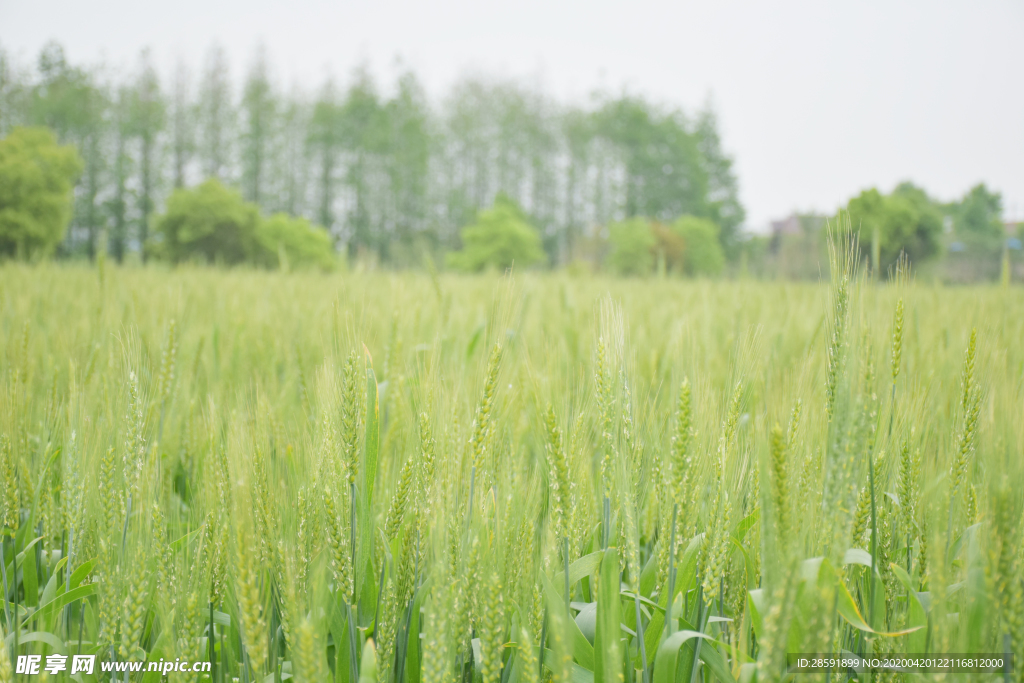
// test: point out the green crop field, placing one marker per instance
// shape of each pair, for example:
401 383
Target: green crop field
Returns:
416 478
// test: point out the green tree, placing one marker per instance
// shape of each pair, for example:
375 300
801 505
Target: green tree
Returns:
10 88
291 172
540 159
289 241
724 206
632 243
577 131
183 123
121 165
409 158
210 223
216 115
919 238
259 113
91 145
468 150
366 137
384 173
703 254
147 115
324 142
68 100
57 98
36 179
978 218
906 221
500 238
665 174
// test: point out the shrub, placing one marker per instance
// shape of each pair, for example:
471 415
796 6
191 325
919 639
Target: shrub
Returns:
294 241
210 223
702 251
500 237
36 179
632 242
669 248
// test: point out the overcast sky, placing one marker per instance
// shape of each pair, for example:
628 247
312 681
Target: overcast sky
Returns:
817 100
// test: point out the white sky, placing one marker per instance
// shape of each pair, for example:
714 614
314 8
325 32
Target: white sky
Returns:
817 100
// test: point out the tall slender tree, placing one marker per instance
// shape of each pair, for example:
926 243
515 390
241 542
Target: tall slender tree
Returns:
577 133
386 173
259 112
292 171
466 146
147 117
8 83
216 115
182 116
665 177
409 159
88 208
325 140
722 192
365 136
68 100
121 165
56 98
542 157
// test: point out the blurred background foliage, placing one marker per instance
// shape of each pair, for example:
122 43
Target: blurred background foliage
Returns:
381 176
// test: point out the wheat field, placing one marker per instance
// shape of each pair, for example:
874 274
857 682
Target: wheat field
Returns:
422 478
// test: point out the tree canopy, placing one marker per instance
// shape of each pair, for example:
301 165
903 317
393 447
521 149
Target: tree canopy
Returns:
631 242
672 167
212 223
36 180
702 251
905 221
291 241
978 217
499 238
688 246
385 170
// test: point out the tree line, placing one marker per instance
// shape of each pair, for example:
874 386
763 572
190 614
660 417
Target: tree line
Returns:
388 172
963 240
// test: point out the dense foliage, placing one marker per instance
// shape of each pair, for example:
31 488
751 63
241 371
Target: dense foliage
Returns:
701 248
903 222
389 175
501 237
631 242
977 219
688 246
385 477
36 179
289 241
394 175
213 224
965 240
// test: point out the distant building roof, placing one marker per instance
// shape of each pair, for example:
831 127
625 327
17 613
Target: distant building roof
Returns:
787 226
